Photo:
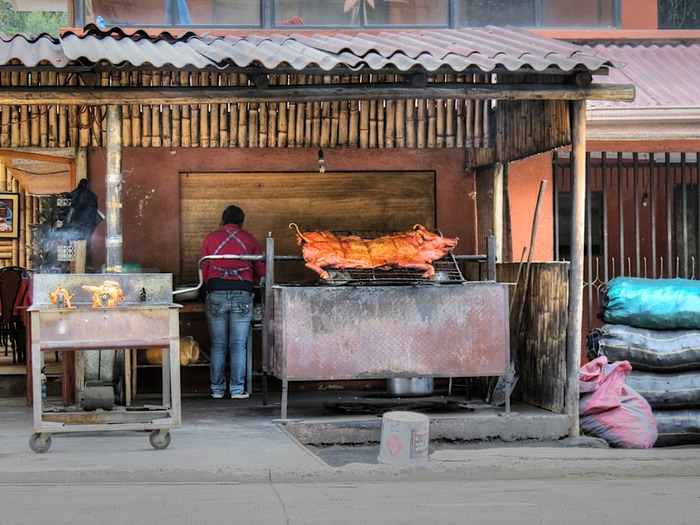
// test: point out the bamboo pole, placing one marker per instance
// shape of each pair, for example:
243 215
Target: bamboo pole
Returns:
73 118
410 117
326 120
176 113
282 122
44 114
6 111
166 116
35 115
400 123
214 115
134 80
203 117
123 80
14 116
24 121
156 131
63 120
52 112
263 131
390 124
242 116
185 129
450 118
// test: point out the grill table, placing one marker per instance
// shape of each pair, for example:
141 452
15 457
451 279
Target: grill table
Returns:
134 324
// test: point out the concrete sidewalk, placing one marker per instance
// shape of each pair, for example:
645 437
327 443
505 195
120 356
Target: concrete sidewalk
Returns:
239 441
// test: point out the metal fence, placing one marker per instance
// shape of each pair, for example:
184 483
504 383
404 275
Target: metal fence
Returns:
642 218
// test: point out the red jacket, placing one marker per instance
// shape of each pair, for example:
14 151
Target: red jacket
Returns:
230 239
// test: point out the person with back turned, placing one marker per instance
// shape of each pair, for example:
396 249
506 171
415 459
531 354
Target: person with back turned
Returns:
229 303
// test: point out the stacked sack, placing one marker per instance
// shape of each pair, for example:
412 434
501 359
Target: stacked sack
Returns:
655 325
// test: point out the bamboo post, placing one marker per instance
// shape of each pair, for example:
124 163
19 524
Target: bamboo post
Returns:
73 118
156 138
282 123
24 123
136 141
35 116
575 308
214 113
44 114
263 131
5 128
176 126
14 116
113 241
343 120
326 119
203 117
390 124
123 80
185 129
166 116
373 104
410 117
300 116
242 116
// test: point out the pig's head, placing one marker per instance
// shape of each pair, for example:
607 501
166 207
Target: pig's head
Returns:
432 245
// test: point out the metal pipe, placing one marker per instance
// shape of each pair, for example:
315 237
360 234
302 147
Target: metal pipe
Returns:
113 241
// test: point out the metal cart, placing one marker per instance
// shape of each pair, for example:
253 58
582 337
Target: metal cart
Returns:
147 318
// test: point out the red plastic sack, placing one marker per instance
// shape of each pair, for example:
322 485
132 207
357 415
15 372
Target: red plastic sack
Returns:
611 410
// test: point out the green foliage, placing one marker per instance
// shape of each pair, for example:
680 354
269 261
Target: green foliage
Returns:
30 23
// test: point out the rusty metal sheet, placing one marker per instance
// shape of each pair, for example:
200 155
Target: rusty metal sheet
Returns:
93 328
349 332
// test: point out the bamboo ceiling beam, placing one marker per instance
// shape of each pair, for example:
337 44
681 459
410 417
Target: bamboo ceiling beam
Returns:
80 95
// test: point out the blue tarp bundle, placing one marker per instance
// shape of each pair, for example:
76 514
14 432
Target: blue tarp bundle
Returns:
658 304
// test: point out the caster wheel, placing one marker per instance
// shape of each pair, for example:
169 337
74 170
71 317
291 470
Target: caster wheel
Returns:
159 441
39 444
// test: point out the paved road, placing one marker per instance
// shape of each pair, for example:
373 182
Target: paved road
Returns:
640 501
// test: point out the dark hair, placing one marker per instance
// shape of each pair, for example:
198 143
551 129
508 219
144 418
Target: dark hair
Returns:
233 215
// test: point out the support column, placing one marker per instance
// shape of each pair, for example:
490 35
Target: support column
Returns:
575 309
113 241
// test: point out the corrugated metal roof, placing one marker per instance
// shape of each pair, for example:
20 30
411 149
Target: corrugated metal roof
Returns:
487 49
665 76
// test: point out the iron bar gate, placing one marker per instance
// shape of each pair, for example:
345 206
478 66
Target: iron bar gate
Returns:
642 218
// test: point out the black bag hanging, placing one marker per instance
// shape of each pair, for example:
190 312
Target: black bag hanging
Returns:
83 215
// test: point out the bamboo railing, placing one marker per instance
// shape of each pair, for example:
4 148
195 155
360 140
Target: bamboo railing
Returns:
420 123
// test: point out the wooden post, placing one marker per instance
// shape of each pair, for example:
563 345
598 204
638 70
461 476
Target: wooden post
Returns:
498 210
113 242
575 309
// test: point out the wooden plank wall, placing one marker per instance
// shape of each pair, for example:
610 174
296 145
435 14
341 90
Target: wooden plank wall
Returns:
541 348
354 201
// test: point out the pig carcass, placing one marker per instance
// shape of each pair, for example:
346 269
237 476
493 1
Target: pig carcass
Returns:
416 249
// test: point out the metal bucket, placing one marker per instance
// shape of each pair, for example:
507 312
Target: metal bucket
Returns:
409 386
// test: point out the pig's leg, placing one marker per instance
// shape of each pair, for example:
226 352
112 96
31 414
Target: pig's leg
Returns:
316 268
420 265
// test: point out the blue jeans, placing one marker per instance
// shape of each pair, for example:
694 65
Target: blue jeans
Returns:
229 314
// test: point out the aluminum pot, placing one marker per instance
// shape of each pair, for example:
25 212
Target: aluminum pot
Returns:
410 386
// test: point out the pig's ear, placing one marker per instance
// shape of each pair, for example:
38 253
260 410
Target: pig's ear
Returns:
420 233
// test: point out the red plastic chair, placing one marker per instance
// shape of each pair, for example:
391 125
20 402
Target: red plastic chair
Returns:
14 281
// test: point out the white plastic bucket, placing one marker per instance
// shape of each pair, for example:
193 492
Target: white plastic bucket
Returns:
405 438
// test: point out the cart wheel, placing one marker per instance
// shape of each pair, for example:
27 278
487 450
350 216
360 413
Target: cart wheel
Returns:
39 444
158 441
